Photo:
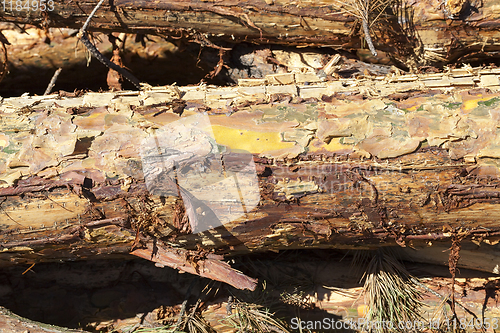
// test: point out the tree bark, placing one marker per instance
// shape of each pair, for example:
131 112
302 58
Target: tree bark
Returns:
15 324
423 32
342 164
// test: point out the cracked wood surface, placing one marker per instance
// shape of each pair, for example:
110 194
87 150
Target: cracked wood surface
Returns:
370 164
420 32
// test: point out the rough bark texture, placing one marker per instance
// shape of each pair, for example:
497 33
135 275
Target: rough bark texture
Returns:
13 323
413 32
342 164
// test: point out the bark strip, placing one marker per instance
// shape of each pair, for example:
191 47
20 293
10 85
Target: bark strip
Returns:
188 261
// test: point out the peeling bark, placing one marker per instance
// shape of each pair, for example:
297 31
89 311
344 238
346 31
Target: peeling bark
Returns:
210 266
335 169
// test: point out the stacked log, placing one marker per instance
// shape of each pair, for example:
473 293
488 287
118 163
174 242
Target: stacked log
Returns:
407 160
412 33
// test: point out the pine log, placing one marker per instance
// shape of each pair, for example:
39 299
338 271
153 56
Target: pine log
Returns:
10 322
422 32
402 160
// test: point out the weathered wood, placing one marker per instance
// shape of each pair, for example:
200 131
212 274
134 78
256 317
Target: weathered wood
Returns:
414 32
335 169
10 322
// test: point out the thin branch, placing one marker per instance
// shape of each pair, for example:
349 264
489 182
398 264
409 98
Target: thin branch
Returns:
52 81
82 35
87 22
362 9
368 38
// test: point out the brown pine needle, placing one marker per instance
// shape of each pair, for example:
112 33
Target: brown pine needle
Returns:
29 268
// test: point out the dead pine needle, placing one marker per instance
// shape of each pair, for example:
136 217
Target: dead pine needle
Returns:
389 290
252 318
28 269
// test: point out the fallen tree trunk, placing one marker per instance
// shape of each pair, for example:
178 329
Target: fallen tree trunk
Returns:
16 324
342 164
411 32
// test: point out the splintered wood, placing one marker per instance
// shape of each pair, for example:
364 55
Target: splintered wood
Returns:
407 160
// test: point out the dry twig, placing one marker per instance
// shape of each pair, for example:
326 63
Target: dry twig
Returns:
368 11
52 81
82 35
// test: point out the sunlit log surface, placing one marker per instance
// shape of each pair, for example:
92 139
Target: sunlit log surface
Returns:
340 164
